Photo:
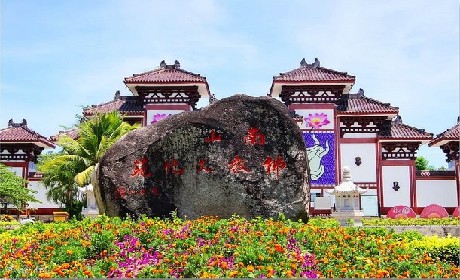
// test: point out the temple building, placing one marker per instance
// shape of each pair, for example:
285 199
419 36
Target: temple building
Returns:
341 127
448 141
19 148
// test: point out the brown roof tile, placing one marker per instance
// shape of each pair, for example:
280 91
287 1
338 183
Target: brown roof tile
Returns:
19 132
362 104
403 131
451 134
73 133
128 105
313 73
166 74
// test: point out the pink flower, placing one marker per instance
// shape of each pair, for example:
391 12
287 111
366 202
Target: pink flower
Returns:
159 117
316 120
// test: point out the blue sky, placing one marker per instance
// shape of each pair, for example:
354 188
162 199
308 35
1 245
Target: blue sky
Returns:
57 56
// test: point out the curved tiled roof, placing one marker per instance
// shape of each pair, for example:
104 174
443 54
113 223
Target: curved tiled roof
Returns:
72 133
451 134
19 132
403 131
128 105
363 104
165 74
308 73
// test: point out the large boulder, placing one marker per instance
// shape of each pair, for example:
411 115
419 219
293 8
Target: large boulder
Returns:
241 155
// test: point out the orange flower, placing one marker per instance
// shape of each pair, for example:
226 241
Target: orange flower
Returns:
250 268
224 265
279 248
44 275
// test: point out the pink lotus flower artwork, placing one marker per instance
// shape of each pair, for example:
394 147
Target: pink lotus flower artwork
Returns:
159 117
316 120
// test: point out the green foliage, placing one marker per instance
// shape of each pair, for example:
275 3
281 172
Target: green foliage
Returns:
409 235
102 241
324 222
445 249
422 163
13 189
73 166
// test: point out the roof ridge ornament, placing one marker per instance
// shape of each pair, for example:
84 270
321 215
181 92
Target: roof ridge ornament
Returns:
176 65
397 120
303 63
117 95
13 124
360 92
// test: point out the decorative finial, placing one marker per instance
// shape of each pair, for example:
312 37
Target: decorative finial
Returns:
360 92
397 120
11 123
162 64
303 62
346 174
316 64
117 95
177 64
458 119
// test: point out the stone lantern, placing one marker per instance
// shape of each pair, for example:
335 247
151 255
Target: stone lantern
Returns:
347 205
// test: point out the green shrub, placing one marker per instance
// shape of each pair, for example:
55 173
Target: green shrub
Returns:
446 249
324 222
409 235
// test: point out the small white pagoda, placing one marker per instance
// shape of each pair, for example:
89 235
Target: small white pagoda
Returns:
91 210
347 205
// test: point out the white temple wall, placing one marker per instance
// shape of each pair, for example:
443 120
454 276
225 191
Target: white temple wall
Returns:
16 170
40 195
400 174
366 172
441 192
359 135
370 192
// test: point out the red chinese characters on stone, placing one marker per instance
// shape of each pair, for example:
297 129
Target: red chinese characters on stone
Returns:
254 137
172 166
202 167
141 168
122 192
155 191
214 137
274 165
238 165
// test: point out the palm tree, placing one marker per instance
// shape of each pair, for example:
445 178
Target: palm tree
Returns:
63 172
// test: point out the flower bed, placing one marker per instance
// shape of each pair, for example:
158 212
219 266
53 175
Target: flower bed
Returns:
211 247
